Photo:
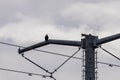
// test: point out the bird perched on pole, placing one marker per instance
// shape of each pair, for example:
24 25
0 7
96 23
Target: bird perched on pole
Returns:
46 37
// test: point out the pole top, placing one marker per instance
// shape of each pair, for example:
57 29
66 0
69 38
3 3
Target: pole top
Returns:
89 41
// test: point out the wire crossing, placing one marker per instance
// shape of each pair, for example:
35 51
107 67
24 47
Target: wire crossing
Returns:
51 73
89 43
35 63
66 60
39 50
53 53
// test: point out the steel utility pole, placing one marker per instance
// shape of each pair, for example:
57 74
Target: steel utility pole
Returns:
89 43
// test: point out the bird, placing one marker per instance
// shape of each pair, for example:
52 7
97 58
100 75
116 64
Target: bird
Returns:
46 37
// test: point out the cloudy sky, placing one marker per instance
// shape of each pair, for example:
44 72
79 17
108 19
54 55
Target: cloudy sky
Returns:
25 22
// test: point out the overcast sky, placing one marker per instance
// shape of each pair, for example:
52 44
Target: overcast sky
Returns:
25 22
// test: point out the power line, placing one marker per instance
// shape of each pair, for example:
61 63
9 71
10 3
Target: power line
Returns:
35 64
66 60
39 50
110 53
28 73
11 44
56 54
51 76
109 64
51 73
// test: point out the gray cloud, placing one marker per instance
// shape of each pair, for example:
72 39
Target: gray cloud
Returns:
58 17
39 8
26 22
47 10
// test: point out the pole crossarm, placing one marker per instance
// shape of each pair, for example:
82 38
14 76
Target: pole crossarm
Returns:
51 41
69 43
32 47
65 42
108 39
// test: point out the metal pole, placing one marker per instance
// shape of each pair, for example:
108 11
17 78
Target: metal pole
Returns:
88 45
108 39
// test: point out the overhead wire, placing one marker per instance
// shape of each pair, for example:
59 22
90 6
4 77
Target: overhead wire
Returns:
109 64
11 44
54 53
51 73
44 76
49 52
110 53
28 73
66 60
35 63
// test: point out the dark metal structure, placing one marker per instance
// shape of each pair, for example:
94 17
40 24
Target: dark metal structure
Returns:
89 43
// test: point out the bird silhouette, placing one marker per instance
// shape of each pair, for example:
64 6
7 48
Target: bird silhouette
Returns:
46 37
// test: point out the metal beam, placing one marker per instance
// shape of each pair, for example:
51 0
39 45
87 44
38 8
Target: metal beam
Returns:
69 43
32 47
65 42
108 39
51 41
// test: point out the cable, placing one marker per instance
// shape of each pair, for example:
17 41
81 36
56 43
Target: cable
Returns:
110 53
11 44
29 73
35 64
109 64
55 53
66 60
58 54
51 73
39 50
